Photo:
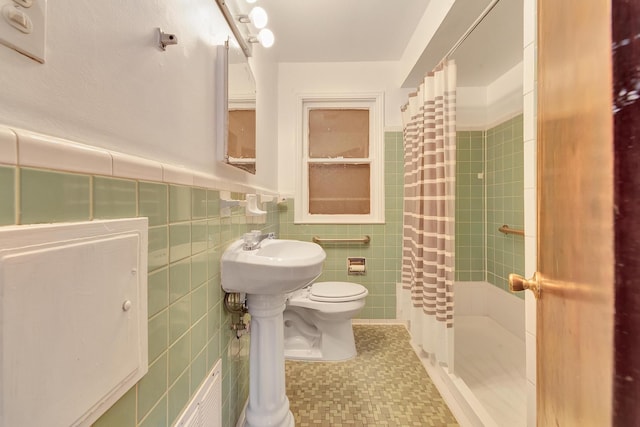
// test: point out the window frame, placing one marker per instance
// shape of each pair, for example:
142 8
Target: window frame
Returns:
374 102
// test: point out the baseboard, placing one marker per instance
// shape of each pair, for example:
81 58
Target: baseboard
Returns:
378 322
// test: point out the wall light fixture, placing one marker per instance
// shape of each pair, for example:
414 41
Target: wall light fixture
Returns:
258 17
242 24
265 37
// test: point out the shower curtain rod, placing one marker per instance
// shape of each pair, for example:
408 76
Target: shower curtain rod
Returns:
467 33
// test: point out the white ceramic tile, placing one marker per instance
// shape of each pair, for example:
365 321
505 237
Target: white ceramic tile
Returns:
471 298
530 313
530 212
206 181
8 146
488 359
535 64
480 298
531 405
176 175
126 166
507 310
44 151
528 70
463 299
531 357
529 164
528 119
529 23
515 314
530 258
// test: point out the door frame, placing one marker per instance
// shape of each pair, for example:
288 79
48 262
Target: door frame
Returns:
626 140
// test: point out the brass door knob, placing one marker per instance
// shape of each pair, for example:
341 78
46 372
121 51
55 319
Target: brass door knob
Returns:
518 283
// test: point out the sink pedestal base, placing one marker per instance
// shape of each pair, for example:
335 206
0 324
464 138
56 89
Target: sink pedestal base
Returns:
268 402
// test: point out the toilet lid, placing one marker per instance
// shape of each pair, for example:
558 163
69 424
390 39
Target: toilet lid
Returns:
337 291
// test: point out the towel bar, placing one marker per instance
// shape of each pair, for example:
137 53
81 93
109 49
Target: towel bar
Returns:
364 240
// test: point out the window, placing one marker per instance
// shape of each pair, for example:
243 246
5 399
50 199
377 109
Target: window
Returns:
341 172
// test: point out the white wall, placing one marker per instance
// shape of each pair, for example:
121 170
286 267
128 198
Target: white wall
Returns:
504 96
317 78
480 108
471 108
433 16
106 83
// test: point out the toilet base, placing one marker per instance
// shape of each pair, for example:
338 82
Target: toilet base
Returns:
327 340
297 354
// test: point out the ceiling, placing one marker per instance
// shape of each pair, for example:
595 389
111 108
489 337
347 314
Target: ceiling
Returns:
342 30
379 30
494 47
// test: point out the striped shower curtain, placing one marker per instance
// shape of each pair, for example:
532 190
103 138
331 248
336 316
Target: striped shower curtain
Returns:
428 252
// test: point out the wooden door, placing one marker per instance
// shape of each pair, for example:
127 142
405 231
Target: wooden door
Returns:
588 279
576 272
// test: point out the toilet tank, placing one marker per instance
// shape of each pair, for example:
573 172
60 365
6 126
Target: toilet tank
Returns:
73 319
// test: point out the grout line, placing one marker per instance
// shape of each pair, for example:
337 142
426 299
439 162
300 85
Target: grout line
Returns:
91 195
17 216
17 197
484 210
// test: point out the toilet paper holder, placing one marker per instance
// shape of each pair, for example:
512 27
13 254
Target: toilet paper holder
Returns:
356 266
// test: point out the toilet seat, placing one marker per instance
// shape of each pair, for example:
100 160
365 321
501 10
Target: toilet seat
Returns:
336 291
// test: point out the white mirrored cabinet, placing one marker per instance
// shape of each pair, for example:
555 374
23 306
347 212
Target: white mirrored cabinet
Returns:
237 109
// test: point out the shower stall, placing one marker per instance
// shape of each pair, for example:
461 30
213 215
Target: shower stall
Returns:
489 320
486 383
486 379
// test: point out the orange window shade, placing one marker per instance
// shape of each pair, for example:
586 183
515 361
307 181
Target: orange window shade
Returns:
339 189
335 133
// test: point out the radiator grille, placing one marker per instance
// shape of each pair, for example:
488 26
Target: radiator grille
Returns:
205 409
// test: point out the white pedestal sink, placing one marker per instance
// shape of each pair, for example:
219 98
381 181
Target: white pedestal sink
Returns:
266 274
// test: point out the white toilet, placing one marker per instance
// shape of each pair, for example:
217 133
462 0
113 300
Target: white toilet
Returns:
317 321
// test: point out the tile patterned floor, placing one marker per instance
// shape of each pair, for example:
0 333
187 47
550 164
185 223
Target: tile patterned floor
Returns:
385 385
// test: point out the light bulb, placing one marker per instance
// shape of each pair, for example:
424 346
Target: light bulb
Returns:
266 37
258 17
251 1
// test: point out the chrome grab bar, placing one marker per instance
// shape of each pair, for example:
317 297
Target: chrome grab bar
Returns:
364 240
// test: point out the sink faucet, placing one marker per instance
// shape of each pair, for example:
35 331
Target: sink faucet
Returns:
253 239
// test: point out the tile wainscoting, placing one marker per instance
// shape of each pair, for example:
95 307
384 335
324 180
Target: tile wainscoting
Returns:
49 180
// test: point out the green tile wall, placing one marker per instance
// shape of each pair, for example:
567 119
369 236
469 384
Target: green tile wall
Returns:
470 220
505 201
47 196
188 326
482 252
114 198
383 254
7 195
498 152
